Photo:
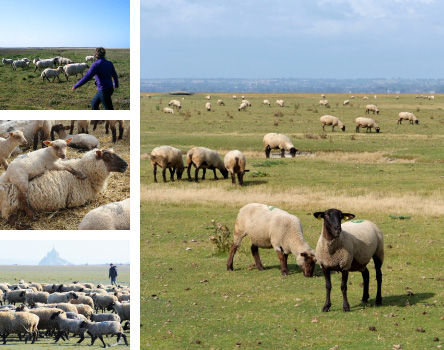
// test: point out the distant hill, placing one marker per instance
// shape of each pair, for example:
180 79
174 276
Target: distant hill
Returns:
53 258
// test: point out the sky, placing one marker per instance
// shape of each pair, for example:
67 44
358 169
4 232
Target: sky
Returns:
25 252
79 23
292 39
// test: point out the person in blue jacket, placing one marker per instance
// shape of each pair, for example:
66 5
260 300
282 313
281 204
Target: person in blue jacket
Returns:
113 274
104 73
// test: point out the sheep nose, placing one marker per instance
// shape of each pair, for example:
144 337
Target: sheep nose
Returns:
62 156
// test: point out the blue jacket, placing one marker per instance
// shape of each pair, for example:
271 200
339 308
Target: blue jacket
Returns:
112 272
103 70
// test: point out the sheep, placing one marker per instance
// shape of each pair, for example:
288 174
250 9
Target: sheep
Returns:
111 124
33 164
280 103
220 103
324 103
175 104
7 62
105 317
17 323
56 190
208 106
331 120
15 138
278 141
122 309
407 116
168 110
74 69
346 102
167 157
246 101
33 130
48 63
367 123
372 108
266 102
67 325
49 72
270 227
85 310
112 216
36 297
17 64
15 296
82 126
208 97
234 97
235 163
38 286
203 158
61 297
44 315
63 60
102 301
83 299
365 98
89 58
67 307
243 106
349 248
75 316
85 142
98 329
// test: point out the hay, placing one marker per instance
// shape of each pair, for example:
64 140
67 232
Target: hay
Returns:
118 187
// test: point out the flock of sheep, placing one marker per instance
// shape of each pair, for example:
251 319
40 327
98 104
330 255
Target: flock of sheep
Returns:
61 310
51 67
46 180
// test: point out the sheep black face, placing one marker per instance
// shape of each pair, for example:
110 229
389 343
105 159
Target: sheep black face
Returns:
293 151
224 173
377 129
332 221
113 162
309 264
343 127
54 315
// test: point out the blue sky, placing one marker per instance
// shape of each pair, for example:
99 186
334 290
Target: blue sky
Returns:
79 23
292 38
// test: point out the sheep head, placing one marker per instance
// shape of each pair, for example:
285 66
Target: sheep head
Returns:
332 222
113 162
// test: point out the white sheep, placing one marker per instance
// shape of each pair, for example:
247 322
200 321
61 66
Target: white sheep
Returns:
234 97
74 69
168 110
47 63
99 329
89 58
246 101
270 227
83 299
85 142
280 103
204 158
7 146
175 104
112 216
243 106
15 296
331 120
346 102
220 103
371 108
349 248
111 124
122 309
367 123
18 323
7 62
278 141
105 317
36 297
235 163
18 64
49 72
167 157
208 106
44 315
208 97
55 298
63 60
324 103
266 102
407 116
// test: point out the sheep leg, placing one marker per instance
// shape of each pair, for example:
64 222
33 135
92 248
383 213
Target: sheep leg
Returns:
120 132
283 259
240 178
345 304
196 179
101 338
327 276
189 172
231 257
257 259
72 127
76 173
282 153
267 151
378 264
114 132
82 337
214 172
95 125
366 278
172 171
107 127
24 202
124 338
163 174
155 172
233 178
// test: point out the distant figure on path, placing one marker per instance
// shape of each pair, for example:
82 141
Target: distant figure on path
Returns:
104 73
113 274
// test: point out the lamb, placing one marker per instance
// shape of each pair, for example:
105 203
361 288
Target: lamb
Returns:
112 216
203 158
48 63
243 106
89 58
105 317
17 323
407 116
82 126
7 61
167 157
7 146
67 325
372 108
49 72
349 248
38 286
278 141
85 142
331 120
18 64
367 123
270 227
99 329
56 298
168 110
266 102
235 163
208 106
36 297
102 301
30 165
280 103
122 309
74 69
175 104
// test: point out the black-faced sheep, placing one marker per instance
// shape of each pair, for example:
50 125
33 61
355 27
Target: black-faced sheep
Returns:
167 157
331 120
278 141
122 309
112 216
270 227
204 158
367 123
235 163
208 106
99 329
371 108
68 325
407 116
349 248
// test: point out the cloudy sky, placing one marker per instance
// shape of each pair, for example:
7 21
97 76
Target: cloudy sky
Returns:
292 38
79 23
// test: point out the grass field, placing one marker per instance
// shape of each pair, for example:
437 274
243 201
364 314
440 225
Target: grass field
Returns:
24 89
394 178
61 274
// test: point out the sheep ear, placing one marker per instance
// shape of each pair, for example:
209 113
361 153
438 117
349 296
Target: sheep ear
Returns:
11 133
99 153
319 215
67 127
304 254
69 140
47 143
347 216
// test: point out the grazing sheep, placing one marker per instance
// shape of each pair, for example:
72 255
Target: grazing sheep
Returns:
235 163
89 58
208 106
324 103
243 106
7 62
99 329
246 101
208 97
365 98
278 141
18 323
56 190
83 299
42 64
204 158
367 123
112 216
266 102
85 142
234 97
175 104
270 227
331 120
407 116
122 309
168 110
67 325
49 72
61 297
372 108
349 248
167 157
15 138
280 103
220 103
74 69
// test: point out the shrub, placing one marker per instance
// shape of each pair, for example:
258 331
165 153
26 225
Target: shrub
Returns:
221 237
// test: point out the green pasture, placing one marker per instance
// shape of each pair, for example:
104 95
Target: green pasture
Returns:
394 178
24 89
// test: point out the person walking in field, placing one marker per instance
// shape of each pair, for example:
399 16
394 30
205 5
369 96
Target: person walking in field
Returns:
113 274
104 73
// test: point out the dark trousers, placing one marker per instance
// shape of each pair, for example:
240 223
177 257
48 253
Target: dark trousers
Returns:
103 96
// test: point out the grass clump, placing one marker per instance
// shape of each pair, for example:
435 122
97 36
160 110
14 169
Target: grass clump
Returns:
221 237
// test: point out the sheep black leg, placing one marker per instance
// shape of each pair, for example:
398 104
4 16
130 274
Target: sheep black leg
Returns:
101 338
231 257
267 151
196 174
164 175
189 171
155 172
378 264
120 132
214 172
204 171
124 338
107 128
114 132
327 304
282 153
345 304
366 278
257 259
283 259
82 337
71 130
172 170
240 178
233 178
95 122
